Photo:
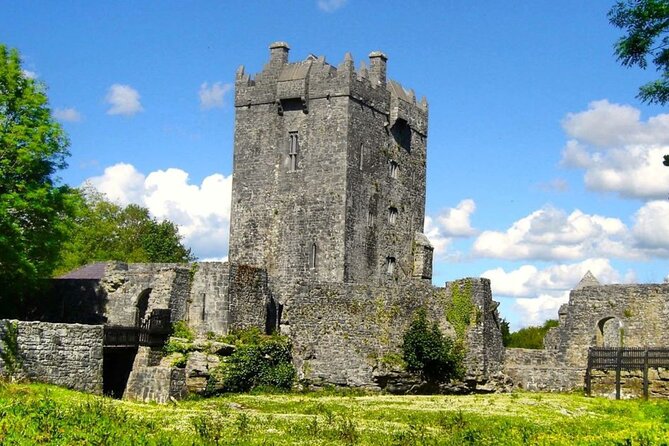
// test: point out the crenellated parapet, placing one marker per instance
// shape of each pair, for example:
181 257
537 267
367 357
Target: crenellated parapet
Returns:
281 82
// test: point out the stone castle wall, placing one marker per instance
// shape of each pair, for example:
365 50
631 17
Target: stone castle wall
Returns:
351 334
68 355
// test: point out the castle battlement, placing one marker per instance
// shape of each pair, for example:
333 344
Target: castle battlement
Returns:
282 82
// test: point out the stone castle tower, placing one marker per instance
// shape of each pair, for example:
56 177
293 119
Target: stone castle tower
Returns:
329 173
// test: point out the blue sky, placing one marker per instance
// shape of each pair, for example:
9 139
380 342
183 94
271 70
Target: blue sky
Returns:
542 164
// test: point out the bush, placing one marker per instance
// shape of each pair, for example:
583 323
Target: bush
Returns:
267 362
180 329
428 353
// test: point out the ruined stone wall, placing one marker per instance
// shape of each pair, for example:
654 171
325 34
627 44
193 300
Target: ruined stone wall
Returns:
251 303
604 383
350 334
611 315
167 285
541 370
67 355
208 304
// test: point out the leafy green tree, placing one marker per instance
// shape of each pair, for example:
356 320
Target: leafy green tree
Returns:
646 23
427 352
104 230
34 209
529 337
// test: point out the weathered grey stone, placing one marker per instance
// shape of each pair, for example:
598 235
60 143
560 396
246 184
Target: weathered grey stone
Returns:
68 355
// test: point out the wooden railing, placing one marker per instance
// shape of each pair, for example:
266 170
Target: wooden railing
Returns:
630 358
153 332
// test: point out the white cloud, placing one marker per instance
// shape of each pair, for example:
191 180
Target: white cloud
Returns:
551 234
213 96
449 224
529 281
651 228
124 100
67 114
330 5
537 310
618 151
538 293
202 212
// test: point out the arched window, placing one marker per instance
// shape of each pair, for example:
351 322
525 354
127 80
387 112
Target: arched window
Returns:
390 265
393 169
392 215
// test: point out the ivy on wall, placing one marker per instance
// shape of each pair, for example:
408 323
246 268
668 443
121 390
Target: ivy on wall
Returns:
461 312
9 348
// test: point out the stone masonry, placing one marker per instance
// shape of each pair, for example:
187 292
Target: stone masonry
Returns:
596 315
68 355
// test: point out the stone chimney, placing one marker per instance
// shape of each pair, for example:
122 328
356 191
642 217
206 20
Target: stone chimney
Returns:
377 69
278 53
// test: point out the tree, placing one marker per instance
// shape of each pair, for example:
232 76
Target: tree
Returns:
427 352
646 23
529 337
34 209
104 230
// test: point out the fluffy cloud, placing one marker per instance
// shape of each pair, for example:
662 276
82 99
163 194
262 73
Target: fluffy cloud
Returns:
617 150
330 5
124 100
449 224
538 293
651 231
551 234
202 212
67 114
529 281
213 96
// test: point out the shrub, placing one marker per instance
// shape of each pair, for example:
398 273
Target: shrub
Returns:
180 329
428 353
266 362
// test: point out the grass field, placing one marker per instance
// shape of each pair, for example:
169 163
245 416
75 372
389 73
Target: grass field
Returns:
41 414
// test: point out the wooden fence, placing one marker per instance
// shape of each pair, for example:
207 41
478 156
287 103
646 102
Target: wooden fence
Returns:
619 359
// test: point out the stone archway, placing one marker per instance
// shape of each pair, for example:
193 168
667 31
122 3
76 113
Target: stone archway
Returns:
142 306
609 332
118 361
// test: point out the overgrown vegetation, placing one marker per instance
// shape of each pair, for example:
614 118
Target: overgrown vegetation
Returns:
461 311
528 337
40 414
9 349
428 353
259 361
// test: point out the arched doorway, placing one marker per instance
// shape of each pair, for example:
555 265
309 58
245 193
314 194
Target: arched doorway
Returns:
609 332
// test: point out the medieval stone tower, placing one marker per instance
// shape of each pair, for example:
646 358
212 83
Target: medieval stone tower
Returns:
329 173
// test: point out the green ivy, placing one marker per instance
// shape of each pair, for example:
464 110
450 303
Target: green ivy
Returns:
461 312
9 351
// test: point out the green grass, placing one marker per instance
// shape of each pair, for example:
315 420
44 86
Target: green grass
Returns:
41 414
